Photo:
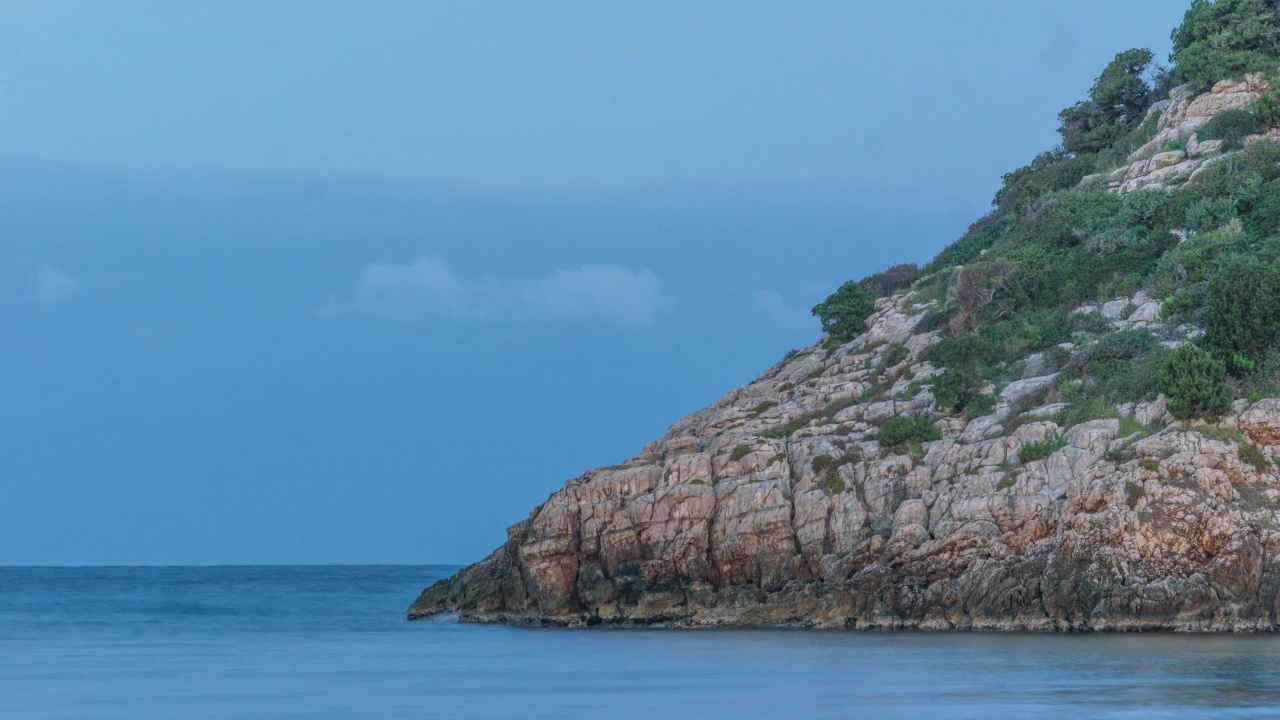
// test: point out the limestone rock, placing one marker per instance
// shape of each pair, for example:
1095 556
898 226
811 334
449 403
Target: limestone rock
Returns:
1156 164
735 517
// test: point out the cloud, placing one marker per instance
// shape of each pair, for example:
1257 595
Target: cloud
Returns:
54 287
427 289
772 304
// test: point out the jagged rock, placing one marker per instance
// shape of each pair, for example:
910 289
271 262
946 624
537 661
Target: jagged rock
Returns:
1180 118
1261 422
1116 309
1147 312
726 521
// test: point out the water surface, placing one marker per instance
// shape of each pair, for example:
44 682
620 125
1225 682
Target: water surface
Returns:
332 642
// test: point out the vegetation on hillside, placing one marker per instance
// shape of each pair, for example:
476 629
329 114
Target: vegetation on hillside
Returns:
1209 248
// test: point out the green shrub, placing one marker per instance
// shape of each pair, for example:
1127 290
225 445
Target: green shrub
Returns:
948 389
740 452
844 311
831 483
1267 108
1149 464
963 355
895 355
979 405
1174 145
963 359
1262 158
1071 390
1186 302
934 320
1132 493
1116 103
1122 366
1194 260
1242 319
1084 409
902 430
981 235
1042 449
1118 347
1224 39
886 283
1231 127
1263 218
758 410
1192 379
1119 456
1210 213
819 463
1015 338
1251 455
1223 434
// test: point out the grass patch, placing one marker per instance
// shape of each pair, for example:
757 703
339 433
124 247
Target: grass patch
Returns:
756 411
894 356
1042 449
1132 493
1119 457
903 430
1222 433
740 452
979 405
788 429
1129 425
1254 498
815 373
831 482
1007 482
786 387
1251 455
1149 464
697 481
778 458
820 463
1145 516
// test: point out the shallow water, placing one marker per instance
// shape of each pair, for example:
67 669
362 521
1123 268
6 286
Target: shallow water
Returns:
332 642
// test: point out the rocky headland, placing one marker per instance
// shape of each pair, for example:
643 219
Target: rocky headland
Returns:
733 518
1066 421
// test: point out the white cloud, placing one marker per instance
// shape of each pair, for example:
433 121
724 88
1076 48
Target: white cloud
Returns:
54 287
427 289
772 304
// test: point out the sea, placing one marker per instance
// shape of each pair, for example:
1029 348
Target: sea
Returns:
130 643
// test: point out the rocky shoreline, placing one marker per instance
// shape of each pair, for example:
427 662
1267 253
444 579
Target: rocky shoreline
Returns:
777 505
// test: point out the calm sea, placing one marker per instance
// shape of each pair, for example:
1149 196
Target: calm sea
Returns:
332 642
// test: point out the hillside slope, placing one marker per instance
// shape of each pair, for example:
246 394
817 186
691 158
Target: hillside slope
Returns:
730 520
1064 421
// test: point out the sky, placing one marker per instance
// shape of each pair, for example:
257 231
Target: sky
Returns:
337 282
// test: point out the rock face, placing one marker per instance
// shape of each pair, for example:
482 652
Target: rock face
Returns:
1181 117
777 505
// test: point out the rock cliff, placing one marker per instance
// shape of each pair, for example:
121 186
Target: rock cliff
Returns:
1177 154
778 504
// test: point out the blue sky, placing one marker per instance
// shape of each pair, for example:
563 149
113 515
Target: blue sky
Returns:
364 282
